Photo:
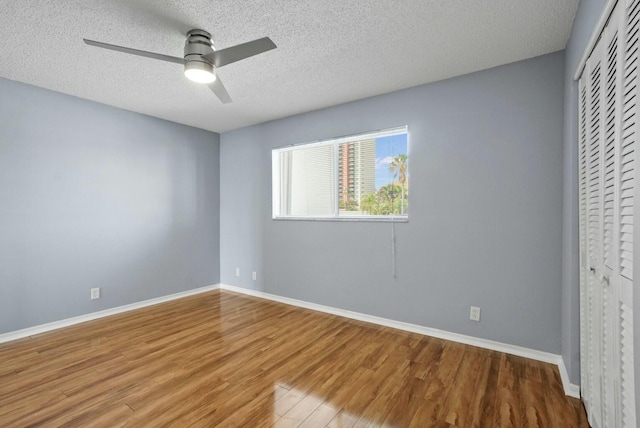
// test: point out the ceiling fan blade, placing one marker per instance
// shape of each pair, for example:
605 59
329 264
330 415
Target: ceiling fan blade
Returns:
153 55
221 92
238 52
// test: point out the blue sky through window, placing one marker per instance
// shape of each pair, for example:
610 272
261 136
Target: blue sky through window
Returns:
386 149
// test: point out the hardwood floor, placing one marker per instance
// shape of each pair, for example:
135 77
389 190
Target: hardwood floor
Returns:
225 359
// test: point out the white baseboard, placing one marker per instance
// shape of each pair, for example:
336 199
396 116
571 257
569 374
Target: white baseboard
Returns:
30 331
570 389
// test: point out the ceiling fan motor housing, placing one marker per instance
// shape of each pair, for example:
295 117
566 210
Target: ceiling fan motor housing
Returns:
198 44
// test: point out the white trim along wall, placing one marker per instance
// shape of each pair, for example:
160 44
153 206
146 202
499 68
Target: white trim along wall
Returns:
570 389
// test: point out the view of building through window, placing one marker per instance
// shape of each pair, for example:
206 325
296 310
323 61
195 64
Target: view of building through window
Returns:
373 176
348 177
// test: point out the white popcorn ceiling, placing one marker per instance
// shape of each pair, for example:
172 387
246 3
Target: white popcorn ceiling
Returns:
329 51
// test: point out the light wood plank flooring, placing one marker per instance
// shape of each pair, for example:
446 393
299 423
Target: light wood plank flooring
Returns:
229 360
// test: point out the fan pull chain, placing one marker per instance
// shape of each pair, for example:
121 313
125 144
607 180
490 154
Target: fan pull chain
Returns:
393 248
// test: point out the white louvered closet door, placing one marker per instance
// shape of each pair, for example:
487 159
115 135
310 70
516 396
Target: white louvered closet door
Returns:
625 179
582 191
608 112
605 275
593 228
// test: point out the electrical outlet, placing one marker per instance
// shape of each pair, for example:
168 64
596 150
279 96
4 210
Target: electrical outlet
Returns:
95 293
238 271
474 313
254 275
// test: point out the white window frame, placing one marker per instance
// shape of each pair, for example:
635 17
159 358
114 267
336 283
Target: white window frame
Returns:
275 180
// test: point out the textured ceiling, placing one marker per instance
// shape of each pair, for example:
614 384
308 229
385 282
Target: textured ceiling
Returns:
329 51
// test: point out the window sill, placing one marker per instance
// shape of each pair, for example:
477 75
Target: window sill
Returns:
399 219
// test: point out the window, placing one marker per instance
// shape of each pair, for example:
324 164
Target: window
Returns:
358 177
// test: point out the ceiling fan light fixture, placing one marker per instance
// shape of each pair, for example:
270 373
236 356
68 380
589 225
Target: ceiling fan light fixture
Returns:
199 72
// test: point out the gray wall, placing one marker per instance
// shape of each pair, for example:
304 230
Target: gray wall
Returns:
585 21
94 196
485 223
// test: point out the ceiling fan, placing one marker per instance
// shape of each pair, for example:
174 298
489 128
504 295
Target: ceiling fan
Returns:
200 59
